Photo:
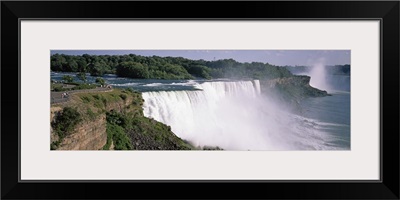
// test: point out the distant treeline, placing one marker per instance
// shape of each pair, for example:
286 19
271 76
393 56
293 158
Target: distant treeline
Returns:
330 69
155 67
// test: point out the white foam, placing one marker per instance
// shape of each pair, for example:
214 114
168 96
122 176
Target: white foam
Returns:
125 84
154 84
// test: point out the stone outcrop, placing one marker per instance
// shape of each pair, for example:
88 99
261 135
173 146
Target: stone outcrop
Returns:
87 135
291 89
91 133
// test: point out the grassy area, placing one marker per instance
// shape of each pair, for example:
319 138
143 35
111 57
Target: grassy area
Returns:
130 101
154 135
126 126
118 136
142 132
60 87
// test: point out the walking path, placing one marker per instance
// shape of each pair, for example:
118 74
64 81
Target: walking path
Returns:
57 97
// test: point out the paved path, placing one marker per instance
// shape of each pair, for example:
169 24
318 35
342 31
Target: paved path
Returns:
56 97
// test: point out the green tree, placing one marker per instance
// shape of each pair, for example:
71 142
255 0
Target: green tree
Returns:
82 64
132 70
136 66
81 76
100 81
72 65
97 68
57 62
68 78
120 138
66 121
200 71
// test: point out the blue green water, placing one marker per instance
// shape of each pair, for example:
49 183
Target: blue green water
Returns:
333 115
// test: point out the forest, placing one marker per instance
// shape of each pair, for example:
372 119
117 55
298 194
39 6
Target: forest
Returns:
155 67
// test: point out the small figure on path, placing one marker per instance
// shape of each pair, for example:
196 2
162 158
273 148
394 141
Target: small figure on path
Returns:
64 95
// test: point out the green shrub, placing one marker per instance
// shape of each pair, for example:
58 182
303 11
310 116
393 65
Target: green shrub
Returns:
85 99
54 145
91 114
74 83
59 89
98 104
104 100
129 90
65 123
123 96
99 101
96 96
84 87
120 139
109 139
68 78
100 81
119 119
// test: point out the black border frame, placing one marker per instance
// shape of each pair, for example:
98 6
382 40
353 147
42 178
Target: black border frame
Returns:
387 12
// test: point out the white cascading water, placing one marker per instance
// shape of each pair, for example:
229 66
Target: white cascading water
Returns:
220 114
318 77
230 115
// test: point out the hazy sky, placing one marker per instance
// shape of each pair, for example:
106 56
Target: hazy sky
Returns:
275 57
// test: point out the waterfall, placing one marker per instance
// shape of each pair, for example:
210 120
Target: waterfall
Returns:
234 116
223 114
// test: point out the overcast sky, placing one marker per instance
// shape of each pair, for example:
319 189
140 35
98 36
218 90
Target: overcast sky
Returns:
275 57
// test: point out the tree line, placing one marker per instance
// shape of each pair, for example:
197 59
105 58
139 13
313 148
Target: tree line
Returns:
155 67
330 69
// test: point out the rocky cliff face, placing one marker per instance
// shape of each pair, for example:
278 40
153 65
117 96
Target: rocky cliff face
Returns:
290 89
294 80
90 133
54 110
87 135
124 110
